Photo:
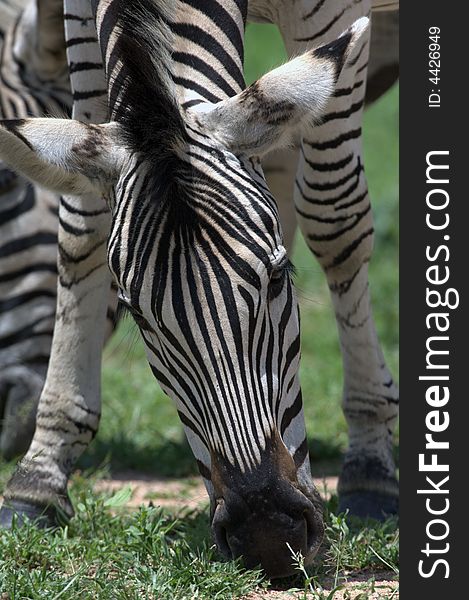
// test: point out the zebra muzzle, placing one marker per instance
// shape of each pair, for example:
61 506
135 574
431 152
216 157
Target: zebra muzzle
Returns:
268 531
263 515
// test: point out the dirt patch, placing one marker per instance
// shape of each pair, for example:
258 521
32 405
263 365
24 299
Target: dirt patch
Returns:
176 493
357 587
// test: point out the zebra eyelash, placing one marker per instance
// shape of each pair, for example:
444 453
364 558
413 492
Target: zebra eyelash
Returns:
126 309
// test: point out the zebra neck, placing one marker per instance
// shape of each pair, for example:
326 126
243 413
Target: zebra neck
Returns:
209 49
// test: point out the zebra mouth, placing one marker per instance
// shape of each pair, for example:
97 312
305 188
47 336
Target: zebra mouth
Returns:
266 535
8 180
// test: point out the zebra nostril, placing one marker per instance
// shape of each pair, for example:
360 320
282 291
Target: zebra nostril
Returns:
220 533
221 540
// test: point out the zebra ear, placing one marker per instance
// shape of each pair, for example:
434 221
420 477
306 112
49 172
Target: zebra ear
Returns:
264 115
63 155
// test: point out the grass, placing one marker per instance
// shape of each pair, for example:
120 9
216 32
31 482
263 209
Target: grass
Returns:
110 553
106 552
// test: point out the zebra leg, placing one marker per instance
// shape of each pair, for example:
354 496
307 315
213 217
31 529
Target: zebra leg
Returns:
28 284
69 407
334 214
335 217
340 235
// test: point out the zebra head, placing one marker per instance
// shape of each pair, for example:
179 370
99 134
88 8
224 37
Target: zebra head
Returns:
196 250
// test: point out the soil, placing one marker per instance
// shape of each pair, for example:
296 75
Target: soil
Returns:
176 493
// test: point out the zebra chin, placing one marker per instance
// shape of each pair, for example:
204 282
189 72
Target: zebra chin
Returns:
265 515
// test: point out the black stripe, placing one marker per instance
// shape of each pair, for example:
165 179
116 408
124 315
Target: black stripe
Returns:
74 230
335 142
91 94
28 270
324 30
329 166
335 199
66 257
26 333
290 413
189 84
354 201
349 90
344 114
76 67
348 250
20 299
80 40
24 243
24 206
353 62
70 17
332 185
300 453
84 213
196 63
314 11
344 286
328 237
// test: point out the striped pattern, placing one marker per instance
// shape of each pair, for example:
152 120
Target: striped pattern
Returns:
213 255
195 244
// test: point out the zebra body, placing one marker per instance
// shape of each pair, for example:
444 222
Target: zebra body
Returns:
243 417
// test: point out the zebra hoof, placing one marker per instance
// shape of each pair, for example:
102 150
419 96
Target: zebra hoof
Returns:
369 505
16 513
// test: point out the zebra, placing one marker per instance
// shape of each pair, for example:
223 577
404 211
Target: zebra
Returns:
24 357
244 455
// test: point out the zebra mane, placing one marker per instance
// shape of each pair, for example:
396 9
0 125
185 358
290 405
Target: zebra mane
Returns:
142 95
